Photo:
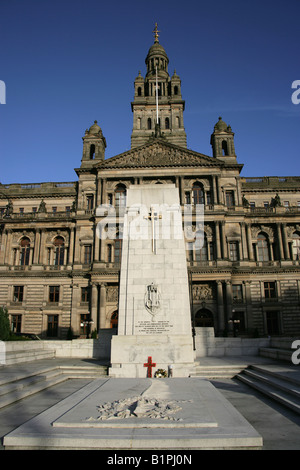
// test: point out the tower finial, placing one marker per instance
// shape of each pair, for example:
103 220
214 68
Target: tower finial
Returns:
155 32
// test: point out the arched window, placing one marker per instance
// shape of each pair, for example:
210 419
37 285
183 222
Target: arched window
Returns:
224 148
263 247
198 194
175 90
120 195
59 251
92 152
139 91
204 318
167 123
149 123
114 320
24 251
296 245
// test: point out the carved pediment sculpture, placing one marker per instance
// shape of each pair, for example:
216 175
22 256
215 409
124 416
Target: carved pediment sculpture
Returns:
158 154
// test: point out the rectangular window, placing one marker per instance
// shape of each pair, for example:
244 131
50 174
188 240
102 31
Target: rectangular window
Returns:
187 198
237 292
16 322
272 323
54 294
270 290
85 294
109 253
118 250
52 328
68 210
233 251
90 202
87 254
286 204
266 204
21 211
229 198
18 293
54 210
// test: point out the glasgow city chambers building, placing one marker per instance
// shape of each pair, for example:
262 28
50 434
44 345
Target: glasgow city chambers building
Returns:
59 275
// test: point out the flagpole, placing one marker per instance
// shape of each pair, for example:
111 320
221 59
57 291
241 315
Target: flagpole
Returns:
156 88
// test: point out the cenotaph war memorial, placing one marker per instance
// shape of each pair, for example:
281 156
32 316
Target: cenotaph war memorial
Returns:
154 329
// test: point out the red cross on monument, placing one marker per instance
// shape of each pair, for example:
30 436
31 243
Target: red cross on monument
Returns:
150 364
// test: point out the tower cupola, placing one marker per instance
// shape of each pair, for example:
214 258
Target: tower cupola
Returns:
222 142
157 100
94 145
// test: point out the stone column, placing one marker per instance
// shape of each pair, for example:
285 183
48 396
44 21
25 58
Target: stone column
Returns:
280 241
3 247
103 305
181 183
8 247
224 244
218 245
42 248
75 321
249 242
94 305
285 242
249 319
244 240
228 300
71 246
99 192
96 244
77 248
215 190
37 242
104 195
221 320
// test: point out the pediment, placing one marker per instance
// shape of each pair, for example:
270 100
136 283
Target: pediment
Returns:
159 154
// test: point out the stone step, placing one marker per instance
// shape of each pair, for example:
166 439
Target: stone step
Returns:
17 395
284 390
17 357
22 385
276 353
283 385
222 371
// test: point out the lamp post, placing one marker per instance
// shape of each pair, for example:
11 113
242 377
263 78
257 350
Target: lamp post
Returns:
87 323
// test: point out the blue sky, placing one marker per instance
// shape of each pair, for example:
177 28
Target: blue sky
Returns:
66 63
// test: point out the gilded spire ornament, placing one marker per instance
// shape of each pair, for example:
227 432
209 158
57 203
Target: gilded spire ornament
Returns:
155 32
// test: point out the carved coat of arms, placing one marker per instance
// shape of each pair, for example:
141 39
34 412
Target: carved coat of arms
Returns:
152 300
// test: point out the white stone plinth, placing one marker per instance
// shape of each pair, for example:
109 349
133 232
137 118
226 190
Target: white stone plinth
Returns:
154 307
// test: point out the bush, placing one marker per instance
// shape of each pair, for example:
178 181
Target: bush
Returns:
4 324
94 334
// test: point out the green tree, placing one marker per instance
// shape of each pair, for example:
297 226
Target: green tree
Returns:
4 324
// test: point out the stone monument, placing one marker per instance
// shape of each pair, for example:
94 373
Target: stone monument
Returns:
154 329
